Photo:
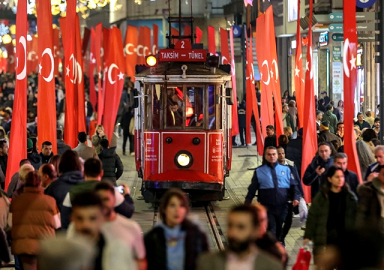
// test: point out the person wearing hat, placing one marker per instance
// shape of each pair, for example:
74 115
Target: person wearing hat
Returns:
331 118
325 97
32 156
326 136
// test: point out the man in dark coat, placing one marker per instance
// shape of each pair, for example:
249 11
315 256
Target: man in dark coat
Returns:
341 160
294 150
336 111
46 152
361 122
125 123
270 140
242 122
61 145
325 98
319 165
326 136
112 166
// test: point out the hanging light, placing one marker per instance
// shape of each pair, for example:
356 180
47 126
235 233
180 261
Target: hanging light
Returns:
12 29
7 39
5 54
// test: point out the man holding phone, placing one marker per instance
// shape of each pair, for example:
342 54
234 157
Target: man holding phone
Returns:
93 174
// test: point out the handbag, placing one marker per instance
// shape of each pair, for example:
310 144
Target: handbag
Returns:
132 126
303 260
303 210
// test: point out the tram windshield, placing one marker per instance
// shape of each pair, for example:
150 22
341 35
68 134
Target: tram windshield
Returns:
181 107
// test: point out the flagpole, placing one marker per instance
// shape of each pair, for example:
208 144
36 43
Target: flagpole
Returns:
381 65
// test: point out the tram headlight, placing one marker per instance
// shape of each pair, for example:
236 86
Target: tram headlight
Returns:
151 61
183 159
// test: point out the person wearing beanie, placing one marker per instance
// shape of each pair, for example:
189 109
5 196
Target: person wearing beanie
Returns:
331 118
32 156
326 136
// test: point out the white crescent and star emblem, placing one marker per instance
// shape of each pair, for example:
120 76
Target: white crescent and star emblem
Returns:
50 77
111 67
101 52
77 70
233 69
154 49
310 62
127 51
11 59
345 59
23 73
223 58
265 63
276 69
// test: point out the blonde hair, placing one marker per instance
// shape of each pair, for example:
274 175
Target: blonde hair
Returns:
24 170
288 130
97 127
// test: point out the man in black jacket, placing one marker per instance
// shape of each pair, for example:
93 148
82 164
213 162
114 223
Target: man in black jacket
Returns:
341 161
112 166
3 158
61 145
318 167
125 123
270 140
46 152
294 150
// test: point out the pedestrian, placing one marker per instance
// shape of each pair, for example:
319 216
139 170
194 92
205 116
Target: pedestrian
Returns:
326 98
127 122
33 157
294 150
293 112
340 131
287 118
366 158
326 136
331 118
3 159
23 172
242 253
99 135
368 134
319 165
175 242
270 140
93 173
369 118
373 169
340 160
48 175
46 152
321 105
332 213
112 166
55 161
61 145
319 118
283 141
376 127
242 122
340 107
335 110
15 180
32 216
87 220
70 170
288 132
276 186
373 143
117 226
361 123
82 149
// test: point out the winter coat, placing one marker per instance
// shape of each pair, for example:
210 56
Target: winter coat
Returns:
270 141
294 152
62 147
195 244
58 189
362 125
85 152
125 122
241 116
45 159
332 119
32 218
35 160
332 139
336 112
289 121
316 226
96 142
369 206
112 165
311 178
3 163
374 167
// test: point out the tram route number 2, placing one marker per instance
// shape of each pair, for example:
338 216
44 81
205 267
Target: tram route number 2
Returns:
180 55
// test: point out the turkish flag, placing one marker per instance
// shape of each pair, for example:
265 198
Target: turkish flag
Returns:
32 55
309 130
104 58
92 66
130 49
140 46
81 126
56 49
99 68
114 80
211 40
18 139
46 104
224 47
350 78
298 73
85 41
155 41
68 32
147 42
199 34
264 63
235 120
11 62
274 71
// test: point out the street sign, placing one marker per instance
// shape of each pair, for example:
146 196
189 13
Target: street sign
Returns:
366 38
365 3
360 16
169 55
336 17
336 27
365 26
236 31
337 37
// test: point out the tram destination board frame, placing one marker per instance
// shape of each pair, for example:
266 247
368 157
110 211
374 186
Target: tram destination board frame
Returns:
174 55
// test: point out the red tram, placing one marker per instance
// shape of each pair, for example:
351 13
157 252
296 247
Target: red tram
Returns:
183 124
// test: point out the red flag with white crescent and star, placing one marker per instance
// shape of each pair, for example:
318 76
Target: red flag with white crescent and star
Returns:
46 104
79 82
224 47
147 49
18 139
32 55
309 129
99 70
11 60
235 120
130 50
155 41
298 73
56 49
114 80
264 63
92 66
140 46
211 40
350 79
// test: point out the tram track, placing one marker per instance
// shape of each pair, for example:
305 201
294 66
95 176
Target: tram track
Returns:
220 239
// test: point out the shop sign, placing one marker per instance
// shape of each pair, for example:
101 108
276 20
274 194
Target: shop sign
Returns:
365 3
366 38
336 53
336 27
337 77
360 16
336 17
337 37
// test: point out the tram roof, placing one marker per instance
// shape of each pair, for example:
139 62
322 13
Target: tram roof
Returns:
196 72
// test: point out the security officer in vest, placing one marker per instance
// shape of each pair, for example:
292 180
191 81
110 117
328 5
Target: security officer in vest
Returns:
276 186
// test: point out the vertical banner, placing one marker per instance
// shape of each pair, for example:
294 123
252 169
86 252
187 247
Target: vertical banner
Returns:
32 55
224 47
81 126
11 61
264 63
211 40
299 75
131 42
18 139
140 47
235 120
99 68
92 66
155 41
114 80
274 71
46 104
84 42
199 34
309 134
147 42
350 79
56 49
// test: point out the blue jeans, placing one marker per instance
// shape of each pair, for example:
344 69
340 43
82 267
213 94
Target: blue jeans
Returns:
276 217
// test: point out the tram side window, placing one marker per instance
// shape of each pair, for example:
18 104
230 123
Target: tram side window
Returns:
156 106
212 107
147 106
194 107
174 115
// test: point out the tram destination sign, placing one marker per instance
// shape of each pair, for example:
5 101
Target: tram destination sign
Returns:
170 55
